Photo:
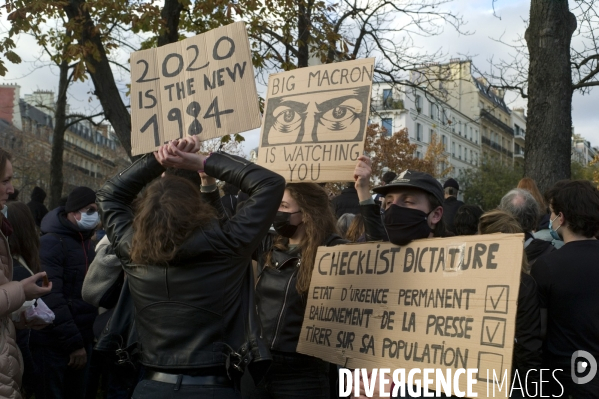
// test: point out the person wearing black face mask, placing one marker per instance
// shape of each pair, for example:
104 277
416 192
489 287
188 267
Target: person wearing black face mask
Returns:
412 206
286 260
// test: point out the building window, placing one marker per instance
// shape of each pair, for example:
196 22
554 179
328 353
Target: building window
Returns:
471 156
418 132
418 103
470 134
388 126
444 141
418 155
387 98
433 110
460 151
453 149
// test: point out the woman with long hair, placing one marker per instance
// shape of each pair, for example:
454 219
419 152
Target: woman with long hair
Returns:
189 273
24 245
527 341
286 260
12 293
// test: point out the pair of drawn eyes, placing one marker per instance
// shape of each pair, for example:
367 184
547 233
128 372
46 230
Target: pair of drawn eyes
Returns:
348 109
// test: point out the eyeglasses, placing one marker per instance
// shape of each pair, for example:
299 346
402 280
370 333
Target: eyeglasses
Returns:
89 211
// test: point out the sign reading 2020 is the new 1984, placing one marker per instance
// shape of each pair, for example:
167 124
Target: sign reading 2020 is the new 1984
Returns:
202 86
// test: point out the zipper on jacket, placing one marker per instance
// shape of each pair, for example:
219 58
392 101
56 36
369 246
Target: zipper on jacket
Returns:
274 339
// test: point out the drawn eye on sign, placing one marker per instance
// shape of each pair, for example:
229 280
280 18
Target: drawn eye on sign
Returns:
325 116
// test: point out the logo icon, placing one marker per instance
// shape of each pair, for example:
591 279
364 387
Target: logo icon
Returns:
579 366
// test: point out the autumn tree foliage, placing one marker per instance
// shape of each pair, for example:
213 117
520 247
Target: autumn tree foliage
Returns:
437 159
392 152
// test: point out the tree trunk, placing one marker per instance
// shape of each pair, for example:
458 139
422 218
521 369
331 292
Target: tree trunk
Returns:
304 11
549 125
99 69
170 14
56 162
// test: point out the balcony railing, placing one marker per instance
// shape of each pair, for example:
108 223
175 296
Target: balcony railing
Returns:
487 115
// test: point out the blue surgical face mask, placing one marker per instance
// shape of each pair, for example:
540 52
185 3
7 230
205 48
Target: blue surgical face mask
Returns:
553 233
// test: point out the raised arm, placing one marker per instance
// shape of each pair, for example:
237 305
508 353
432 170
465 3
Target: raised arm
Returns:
244 231
116 197
371 212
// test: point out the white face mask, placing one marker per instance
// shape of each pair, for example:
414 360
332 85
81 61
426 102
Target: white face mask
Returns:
88 222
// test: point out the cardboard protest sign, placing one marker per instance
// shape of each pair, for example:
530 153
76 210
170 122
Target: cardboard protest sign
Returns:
446 303
202 86
315 121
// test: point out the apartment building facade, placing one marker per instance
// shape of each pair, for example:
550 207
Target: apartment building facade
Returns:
425 115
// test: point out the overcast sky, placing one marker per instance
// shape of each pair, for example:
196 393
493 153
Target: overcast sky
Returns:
507 22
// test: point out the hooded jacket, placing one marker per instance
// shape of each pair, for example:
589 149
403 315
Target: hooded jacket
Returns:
12 297
66 253
191 314
36 205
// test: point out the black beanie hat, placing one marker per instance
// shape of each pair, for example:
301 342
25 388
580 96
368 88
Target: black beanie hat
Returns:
79 198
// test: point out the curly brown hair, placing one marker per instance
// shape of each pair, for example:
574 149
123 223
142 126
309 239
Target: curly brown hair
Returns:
166 214
319 223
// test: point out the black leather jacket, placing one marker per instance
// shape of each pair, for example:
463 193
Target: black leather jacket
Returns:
280 306
190 314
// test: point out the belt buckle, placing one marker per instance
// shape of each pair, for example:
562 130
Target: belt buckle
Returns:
236 365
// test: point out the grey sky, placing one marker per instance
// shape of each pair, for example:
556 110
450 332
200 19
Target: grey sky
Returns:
480 46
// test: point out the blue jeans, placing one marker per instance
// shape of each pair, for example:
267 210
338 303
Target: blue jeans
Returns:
56 380
294 376
148 389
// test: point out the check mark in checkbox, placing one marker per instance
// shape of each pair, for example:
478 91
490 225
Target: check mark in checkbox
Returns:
496 299
493 332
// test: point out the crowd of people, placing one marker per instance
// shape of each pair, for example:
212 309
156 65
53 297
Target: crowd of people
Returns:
163 288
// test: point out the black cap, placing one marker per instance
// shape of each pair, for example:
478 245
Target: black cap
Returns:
415 179
79 198
451 183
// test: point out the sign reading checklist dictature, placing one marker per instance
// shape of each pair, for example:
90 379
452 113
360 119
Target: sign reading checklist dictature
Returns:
444 303
201 86
315 121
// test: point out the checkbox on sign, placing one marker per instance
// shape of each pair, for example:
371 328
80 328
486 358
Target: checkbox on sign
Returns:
496 298
493 332
487 364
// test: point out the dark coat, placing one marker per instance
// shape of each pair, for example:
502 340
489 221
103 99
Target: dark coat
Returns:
346 202
66 253
450 208
36 205
190 314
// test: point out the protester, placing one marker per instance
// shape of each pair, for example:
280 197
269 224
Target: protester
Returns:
25 250
527 338
190 333
13 294
412 203
344 222
356 231
525 209
286 260
567 284
62 351
451 203
466 220
346 202
529 185
36 205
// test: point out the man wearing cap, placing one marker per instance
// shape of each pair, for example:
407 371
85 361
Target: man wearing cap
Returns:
61 351
451 203
412 206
